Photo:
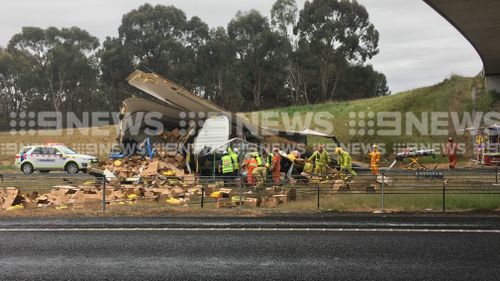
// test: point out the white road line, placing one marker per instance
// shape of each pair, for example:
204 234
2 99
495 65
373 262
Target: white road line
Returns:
246 229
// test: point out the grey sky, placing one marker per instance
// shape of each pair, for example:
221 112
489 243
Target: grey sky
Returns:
417 46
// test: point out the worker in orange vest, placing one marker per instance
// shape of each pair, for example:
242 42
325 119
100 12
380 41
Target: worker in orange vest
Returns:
250 164
451 152
276 166
374 160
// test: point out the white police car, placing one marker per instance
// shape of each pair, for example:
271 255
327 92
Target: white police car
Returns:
52 157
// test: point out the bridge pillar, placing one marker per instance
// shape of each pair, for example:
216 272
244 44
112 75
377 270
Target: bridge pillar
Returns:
493 83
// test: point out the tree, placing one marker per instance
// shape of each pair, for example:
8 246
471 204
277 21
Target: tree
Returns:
116 65
259 51
253 64
10 87
16 92
283 18
63 59
161 39
284 15
362 82
153 36
337 33
220 74
197 36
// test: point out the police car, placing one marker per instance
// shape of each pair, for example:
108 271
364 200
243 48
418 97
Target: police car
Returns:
51 157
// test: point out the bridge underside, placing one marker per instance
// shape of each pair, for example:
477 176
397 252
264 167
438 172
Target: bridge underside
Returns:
479 22
493 82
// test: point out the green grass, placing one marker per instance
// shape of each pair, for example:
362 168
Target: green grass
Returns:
453 95
473 202
347 202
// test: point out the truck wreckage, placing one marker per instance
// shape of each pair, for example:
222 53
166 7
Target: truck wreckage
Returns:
152 164
200 127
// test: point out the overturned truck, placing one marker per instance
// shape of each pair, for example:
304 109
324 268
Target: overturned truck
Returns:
174 119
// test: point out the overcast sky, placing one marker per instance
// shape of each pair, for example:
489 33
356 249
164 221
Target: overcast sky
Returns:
417 46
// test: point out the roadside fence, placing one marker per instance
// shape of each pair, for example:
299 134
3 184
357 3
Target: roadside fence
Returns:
391 191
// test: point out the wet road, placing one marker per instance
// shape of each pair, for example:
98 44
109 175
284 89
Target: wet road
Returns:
226 249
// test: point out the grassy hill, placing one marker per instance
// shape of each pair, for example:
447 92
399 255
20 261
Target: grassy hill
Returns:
451 95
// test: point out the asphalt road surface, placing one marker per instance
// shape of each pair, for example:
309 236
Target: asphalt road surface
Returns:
230 249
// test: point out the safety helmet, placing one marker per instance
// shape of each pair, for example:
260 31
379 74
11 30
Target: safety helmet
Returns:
338 150
235 150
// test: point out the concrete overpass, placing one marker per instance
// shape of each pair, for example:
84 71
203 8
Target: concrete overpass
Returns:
479 22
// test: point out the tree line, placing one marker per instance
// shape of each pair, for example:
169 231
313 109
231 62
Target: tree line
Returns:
314 55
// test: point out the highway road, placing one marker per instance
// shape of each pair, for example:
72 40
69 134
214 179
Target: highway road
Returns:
283 248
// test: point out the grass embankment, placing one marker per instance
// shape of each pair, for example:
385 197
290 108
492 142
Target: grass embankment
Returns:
451 95
399 203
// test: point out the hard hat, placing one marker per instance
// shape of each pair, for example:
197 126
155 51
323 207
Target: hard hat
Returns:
375 146
235 150
255 154
338 150
450 139
275 149
296 153
225 152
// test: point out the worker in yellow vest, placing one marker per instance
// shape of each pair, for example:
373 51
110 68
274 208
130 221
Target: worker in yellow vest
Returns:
321 159
258 159
233 152
226 167
480 147
345 161
260 176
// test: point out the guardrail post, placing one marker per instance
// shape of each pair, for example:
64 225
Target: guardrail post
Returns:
103 194
444 197
202 196
317 203
382 193
240 183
